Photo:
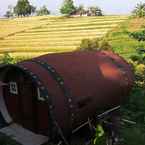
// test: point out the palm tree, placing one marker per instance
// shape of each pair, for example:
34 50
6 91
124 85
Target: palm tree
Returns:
139 10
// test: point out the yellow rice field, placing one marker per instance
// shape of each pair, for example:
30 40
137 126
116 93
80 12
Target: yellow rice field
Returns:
33 36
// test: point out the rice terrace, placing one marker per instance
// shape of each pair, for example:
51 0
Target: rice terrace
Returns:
72 73
33 36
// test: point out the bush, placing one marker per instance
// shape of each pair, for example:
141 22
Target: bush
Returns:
140 35
94 45
105 45
89 45
7 59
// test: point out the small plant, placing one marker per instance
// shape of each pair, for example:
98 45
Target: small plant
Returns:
99 136
85 44
7 59
140 35
89 45
94 45
105 45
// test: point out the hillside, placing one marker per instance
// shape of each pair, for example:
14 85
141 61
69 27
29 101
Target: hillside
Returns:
120 40
134 109
32 36
37 35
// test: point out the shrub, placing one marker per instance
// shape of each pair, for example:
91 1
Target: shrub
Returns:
88 45
85 44
93 45
7 59
140 35
105 45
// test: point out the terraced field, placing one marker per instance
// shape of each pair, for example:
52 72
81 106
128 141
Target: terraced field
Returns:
33 36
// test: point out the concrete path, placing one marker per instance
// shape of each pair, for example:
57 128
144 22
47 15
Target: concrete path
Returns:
23 136
2 121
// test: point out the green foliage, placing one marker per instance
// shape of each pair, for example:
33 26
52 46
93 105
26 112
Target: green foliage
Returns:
8 14
7 59
95 11
140 35
99 136
68 7
105 45
23 8
94 44
89 45
133 135
85 44
134 109
139 11
43 11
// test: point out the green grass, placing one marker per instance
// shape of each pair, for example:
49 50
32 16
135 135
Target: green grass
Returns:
134 109
120 40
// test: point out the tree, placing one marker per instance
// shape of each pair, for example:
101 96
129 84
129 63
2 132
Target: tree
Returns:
68 7
43 11
95 11
9 12
23 8
139 10
80 10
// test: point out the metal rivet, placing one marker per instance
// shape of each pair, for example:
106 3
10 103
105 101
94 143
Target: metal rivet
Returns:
58 78
39 82
31 73
24 68
52 70
61 83
50 107
69 100
46 96
42 87
71 106
34 76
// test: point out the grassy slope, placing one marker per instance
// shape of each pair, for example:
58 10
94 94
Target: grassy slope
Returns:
39 35
120 40
135 108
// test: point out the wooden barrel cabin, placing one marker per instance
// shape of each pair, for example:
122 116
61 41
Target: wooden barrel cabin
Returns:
56 93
